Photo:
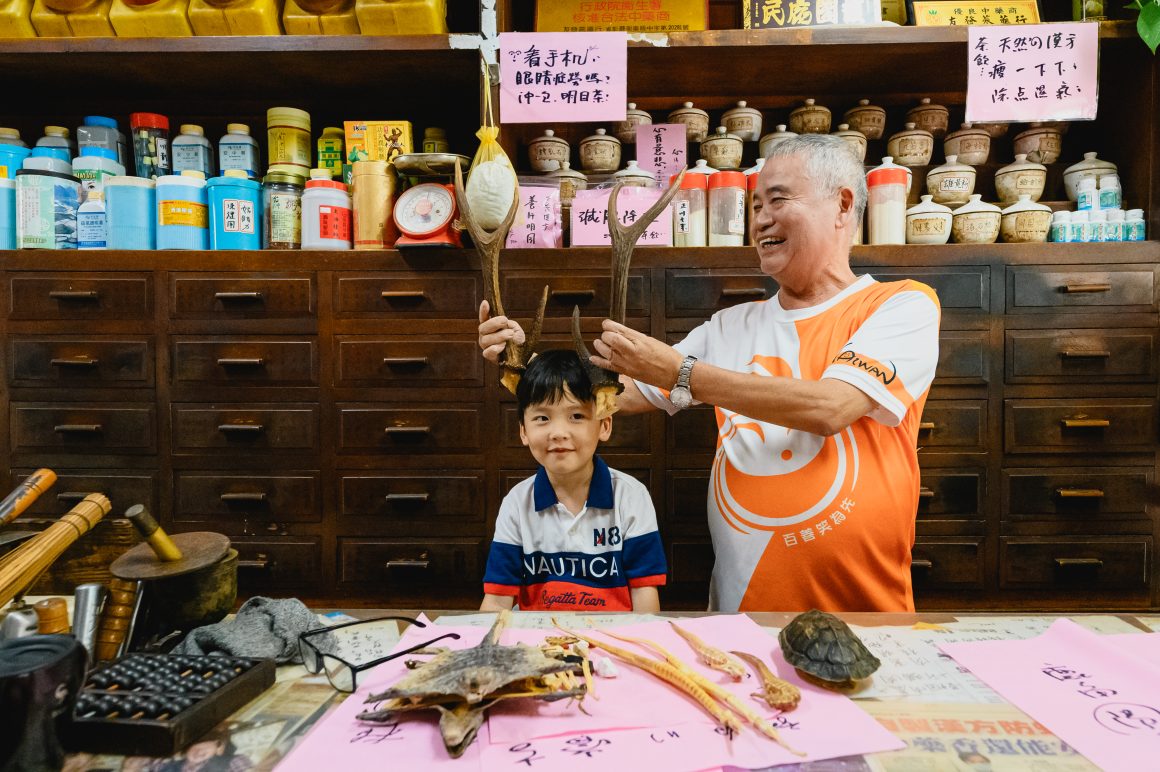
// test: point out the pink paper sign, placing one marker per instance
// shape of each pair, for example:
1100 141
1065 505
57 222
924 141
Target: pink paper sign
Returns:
590 217
1091 692
660 149
1032 72
560 77
538 223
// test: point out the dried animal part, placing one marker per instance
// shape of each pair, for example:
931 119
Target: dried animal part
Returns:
824 647
711 655
777 692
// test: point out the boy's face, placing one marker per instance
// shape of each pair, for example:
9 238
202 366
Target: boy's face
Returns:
563 435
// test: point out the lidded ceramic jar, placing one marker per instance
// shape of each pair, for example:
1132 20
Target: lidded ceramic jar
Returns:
867 118
722 150
1025 222
951 183
976 222
625 130
548 152
911 147
600 152
755 169
744 121
635 177
696 121
701 167
970 144
994 130
1090 166
772 139
570 181
929 117
810 118
855 140
928 223
1019 178
1040 142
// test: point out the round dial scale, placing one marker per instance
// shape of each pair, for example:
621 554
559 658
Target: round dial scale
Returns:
424 209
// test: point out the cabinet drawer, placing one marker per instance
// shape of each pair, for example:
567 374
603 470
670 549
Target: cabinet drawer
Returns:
403 361
1091 563
452 499
406 430
271 296
428 294
81 296
291 498
694 429
688 497
81 362
1067 426
411 565
701 292
262 564
959 423
947 564
244 427
951 494
245 362
963 358
123 489
83 428
1083 493
962 288
590 290
691 561
630 433
1127 288
1085 356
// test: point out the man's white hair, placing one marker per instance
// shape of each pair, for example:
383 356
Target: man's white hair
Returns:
829 164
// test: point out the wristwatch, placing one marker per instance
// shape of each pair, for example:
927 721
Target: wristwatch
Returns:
681 395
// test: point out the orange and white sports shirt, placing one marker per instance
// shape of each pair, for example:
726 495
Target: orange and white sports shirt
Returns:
798 520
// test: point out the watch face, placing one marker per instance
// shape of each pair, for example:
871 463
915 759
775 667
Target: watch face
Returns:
680 397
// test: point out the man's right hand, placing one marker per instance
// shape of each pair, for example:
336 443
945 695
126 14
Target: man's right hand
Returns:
494 333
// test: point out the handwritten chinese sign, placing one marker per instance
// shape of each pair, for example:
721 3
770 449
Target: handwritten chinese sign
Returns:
590 217
553 77
538 221
627 15
1032 73
952 13
765 14
660 149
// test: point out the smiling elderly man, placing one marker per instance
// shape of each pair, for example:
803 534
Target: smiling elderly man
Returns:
818 393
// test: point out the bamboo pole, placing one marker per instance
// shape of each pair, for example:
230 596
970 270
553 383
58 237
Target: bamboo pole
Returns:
24 494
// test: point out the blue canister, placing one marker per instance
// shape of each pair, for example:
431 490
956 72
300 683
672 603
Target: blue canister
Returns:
182 217
130 219
235 211
11 160
7 213
46 208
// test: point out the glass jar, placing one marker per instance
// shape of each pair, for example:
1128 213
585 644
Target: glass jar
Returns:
282 211
150 145
726 209
690 215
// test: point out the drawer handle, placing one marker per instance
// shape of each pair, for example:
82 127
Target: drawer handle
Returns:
237 296
1078 563
407 430
743 292
241 428
578 294
67 496
1085 423
399 498
405 361
260 562
81 361
925 493
404 295
922 565
1069 353
74 295
422 562
926 426
242 362
243 498
78 428
1072 289
1079 493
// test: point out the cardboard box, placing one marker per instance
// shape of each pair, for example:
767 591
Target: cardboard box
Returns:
627 15
773 14
377 140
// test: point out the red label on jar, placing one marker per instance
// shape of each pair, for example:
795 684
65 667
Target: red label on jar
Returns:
333 223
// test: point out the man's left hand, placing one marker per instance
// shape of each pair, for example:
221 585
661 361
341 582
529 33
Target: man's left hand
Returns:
624 350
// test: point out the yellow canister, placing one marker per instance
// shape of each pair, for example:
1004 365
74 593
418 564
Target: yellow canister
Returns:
236 17
372 192
14 19
402 17
330 155
288 131
320 17
72 18
150 18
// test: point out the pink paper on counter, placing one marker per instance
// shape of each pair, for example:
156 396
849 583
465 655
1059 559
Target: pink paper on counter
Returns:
1089 690
1146 646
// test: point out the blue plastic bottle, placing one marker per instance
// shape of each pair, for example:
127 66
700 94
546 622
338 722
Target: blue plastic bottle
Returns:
130 213
235 211
182 216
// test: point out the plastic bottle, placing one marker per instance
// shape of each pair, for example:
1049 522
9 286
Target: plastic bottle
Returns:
99 131
46 159
320 17
402 17
235 17
72 18
690 213
182 212
192 151
1060 227
288 131
326 215
7 213
1087 197
1080 229
1110 193
1114 227
130 213
726 209
235 211
330 155
93 166
56 142
1096 229
238 150
1134 225
15 21
150 18
13 151
46 205
91 228
886 203
150 145
281 211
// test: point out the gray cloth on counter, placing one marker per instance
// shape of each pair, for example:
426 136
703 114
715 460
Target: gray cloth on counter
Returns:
263 628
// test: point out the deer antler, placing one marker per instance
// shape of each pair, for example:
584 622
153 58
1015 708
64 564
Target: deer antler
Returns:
605 383
488 244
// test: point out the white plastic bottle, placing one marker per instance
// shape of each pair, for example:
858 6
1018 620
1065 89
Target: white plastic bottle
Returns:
1080 229
326 213
191 151
92 166
1114 227
1134 225
1110 193
238 150
1097 230
1061 226
1087 197
56 139
92 231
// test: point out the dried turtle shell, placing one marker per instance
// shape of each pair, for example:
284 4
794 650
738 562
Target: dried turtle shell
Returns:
823 646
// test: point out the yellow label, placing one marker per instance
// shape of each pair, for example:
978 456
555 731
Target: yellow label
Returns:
182 213
651 16
951 13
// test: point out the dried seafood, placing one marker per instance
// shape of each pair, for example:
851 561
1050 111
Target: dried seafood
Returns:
777 692
711 655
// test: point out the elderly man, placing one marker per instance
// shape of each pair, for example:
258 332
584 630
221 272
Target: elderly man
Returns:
818 393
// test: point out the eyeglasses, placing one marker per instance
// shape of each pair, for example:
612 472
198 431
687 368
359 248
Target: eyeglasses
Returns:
343 675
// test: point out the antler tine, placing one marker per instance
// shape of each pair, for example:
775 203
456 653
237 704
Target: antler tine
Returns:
624 239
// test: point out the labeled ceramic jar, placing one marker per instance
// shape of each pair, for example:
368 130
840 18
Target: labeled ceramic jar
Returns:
570 181
911 147
600 152
625 130
772 139
867 118
928 223
1019 178
929 117
696 121
722 150
970 144
855 140
1090 166
951 183
635 177
810 118
994 130
547 153
976 222
1040 142
744 121
1025 222
701 167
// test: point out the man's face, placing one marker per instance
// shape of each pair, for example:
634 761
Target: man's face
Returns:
791 223
563 435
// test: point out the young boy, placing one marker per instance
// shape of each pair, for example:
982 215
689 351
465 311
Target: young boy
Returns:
577 535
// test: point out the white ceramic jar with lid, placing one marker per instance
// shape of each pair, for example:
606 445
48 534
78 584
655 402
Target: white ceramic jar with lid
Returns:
772 139
1019 178
1025 222
625 130
744 121
867 118
928 222
600 152
951 183
722 150
855 140
810 118
696 121
569 181
911 147
547 152
929 117
969 143
976 222
701 167
1041 143
635 177
1090 166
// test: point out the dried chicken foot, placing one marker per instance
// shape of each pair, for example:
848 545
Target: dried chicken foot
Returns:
711 655
779 693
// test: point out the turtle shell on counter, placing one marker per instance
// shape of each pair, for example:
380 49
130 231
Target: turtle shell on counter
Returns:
824 647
